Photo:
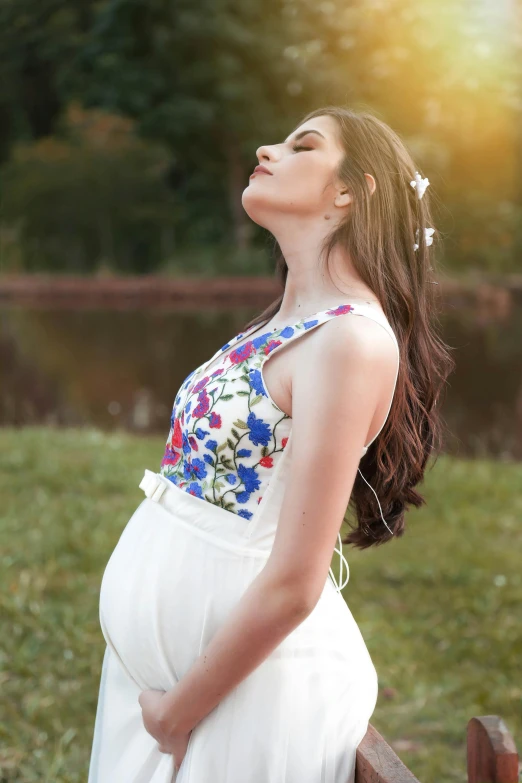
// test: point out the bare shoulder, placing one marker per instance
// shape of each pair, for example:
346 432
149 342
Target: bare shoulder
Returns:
348 371
345 340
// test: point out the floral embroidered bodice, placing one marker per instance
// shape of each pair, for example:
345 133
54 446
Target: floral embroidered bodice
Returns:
226 432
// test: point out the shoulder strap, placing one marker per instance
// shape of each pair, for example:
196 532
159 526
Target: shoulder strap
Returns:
290 333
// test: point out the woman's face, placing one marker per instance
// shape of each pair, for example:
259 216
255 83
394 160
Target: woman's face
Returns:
302 178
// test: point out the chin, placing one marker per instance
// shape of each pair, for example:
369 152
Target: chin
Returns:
255 206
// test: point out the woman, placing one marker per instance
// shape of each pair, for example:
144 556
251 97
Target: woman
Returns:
231 656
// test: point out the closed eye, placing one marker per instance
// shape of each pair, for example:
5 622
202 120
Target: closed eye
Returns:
300 147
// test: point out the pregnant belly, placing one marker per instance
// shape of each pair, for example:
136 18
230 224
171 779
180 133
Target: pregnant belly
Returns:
138 597
164 593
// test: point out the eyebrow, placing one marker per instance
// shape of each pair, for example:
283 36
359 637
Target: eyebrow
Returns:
305 133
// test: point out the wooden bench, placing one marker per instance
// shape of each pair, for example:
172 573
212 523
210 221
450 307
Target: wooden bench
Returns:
491 756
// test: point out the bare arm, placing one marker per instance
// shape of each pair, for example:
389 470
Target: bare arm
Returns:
334 397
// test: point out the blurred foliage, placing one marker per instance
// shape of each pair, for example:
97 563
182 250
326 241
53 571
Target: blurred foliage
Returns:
98 192
438 609
206 83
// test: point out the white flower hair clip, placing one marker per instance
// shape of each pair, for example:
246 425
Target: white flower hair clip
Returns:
419 184
428 237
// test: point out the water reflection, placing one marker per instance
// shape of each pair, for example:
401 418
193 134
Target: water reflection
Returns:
122 368
109 368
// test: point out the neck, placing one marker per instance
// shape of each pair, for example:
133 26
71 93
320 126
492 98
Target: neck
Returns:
311 287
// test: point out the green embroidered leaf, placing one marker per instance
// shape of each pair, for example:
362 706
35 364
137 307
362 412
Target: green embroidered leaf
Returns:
264 451
210 500
228 463
221 447
243 394
226 397
231 443
235 433
229 506
219 485
256 400
241 424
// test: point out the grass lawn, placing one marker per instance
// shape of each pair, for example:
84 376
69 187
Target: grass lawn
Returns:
439 609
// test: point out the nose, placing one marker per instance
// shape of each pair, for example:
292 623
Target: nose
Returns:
265 152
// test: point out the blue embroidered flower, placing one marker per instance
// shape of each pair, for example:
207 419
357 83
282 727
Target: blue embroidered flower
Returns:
194 469
211 444
261 340
188 406
309 324
244 452
199 433
244 513
231 478
249 477
287 331
259 430
243 497
257 382
186 445
208 459
194 489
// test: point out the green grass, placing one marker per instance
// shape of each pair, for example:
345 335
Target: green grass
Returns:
439 609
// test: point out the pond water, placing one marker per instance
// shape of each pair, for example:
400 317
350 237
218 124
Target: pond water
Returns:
121 368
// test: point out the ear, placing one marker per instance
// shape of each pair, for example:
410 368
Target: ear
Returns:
342 199
371 183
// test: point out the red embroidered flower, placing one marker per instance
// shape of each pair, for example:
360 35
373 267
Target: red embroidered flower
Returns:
284 442
267 462
193 443
170 457
242 353
199 385
203 406
215 420
271 345
177 437
340 310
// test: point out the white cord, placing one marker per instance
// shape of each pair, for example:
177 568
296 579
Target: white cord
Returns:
342 584
380 509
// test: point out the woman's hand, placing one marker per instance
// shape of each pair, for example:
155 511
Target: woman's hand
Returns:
175 744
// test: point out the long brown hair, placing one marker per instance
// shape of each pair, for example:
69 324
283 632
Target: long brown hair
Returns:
379 232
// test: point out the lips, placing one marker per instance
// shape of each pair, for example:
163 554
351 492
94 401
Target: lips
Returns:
260 170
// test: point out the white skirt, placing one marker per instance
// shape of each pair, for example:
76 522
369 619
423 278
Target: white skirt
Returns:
176 573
